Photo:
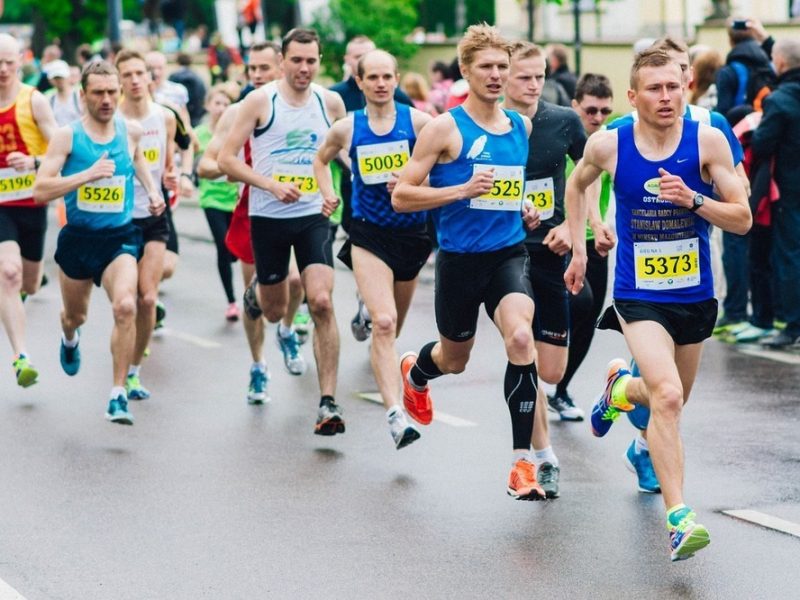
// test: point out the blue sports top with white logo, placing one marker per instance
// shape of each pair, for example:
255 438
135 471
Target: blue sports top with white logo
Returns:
663 251
460 226
108 202
379 156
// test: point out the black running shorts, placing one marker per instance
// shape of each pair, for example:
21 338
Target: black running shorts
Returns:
685 323
154 229
551 317
85 253
403 250
172 240
26 226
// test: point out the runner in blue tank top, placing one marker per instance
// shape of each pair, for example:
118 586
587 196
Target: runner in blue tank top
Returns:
386 249
97 158
475 155
663 293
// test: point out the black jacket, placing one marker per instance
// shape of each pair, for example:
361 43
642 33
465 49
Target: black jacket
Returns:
778 134
567 80
354 99
749 53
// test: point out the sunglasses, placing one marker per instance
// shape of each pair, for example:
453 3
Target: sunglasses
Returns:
593 110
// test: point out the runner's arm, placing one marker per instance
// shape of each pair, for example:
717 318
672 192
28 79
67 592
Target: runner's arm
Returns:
142 173
335 141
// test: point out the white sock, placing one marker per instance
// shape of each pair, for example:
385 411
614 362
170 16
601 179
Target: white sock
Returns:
521 455
284 331
118 391
641 444
393 411
134 370
73 342
260 365
545 455
364 312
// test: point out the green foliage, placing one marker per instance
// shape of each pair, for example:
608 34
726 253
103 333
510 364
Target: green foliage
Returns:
386 22
438 15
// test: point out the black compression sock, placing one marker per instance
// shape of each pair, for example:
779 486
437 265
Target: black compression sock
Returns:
425 369
326 400
520 390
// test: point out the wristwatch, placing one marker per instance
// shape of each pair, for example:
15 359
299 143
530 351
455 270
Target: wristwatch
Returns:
697 202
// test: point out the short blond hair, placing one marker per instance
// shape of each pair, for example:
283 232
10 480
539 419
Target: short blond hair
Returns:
652 57
481 37
524 49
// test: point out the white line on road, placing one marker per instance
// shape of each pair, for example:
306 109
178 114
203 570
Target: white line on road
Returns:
9 593
768 521
192 339
437 414
783 357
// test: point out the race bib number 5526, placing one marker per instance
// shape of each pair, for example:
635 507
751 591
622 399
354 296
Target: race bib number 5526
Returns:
105 195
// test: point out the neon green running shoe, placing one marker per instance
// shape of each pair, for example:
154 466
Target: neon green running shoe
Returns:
687 537
135 389
27 375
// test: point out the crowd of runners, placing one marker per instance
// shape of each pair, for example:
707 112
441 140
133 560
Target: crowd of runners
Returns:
511 191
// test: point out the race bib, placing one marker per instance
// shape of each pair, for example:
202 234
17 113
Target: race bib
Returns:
300 175
539 192
506 192
667 265
105 195
152 155
16 185
376 162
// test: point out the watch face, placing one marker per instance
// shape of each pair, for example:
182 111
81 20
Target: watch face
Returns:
698 199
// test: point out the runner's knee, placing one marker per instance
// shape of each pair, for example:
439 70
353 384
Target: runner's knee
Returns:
666 401
10 276
124 308
384 324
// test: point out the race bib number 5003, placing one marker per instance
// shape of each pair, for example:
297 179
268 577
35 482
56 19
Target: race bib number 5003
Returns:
506 192
377 162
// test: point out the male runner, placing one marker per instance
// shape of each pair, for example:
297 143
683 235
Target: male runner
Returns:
386 250
26 125
288 120
557 133
475 155
663 290
263 66
97 158
158 126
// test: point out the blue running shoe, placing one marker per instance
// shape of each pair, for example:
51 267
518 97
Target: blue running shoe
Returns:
135 389
118 411
641 464
605 412
70 359
639 416
292 359
257 392
687 538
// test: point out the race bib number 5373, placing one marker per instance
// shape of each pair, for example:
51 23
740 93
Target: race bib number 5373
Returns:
667 265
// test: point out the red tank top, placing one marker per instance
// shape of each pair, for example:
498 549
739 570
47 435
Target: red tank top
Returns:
18 133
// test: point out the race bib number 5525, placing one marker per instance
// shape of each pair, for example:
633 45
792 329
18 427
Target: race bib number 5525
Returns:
506 192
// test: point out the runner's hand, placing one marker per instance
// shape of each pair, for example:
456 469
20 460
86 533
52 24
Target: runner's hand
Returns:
392 182
186 187
674 190
20 161
558 239
157 204
576 271
329 205
480 183
104 167
287 193
604 239
170 180
530 216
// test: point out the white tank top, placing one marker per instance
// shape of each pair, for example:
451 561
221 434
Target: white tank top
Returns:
154 147
67 111
284 150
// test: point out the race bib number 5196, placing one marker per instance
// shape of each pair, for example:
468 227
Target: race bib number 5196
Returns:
15 185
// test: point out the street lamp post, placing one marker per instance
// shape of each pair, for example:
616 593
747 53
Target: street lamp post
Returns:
114 19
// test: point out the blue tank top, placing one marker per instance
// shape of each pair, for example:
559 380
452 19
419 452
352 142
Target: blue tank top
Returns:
373 158
493 221
663 252
105 203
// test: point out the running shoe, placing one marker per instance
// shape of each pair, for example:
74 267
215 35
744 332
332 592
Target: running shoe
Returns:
161 314
640 415
565 407
640 464
250 302
605 411
547 475
729 335
135 389
27 375
232 313
687 537
118 411
292 359
70 358
361 325
417 402
257 392
302 323
329 419
723 324
753 334
522 484
403 433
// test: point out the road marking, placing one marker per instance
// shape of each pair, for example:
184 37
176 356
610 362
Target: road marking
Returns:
783 357
9 593
768 521
438 415
188 337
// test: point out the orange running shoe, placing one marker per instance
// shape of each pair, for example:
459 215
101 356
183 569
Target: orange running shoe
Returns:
522 484
417 403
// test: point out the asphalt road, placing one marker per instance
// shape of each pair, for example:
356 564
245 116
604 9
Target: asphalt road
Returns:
207 497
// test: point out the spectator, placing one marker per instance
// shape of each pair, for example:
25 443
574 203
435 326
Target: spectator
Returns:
194 86
441 81
49 54
415 86
778 137
704 90
557 59
220 59
552 91
173 12
65 99
747 66
249 18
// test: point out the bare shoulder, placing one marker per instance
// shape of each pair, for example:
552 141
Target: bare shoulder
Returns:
708 135
601 146
135 129
419 119
334 104
528 124
169 116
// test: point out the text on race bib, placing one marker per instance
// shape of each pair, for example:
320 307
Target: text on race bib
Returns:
539 192
152 155
300 175
376 162
507 188
105 195
667 265
16 185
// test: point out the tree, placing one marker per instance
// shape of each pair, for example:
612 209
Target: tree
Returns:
386 22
